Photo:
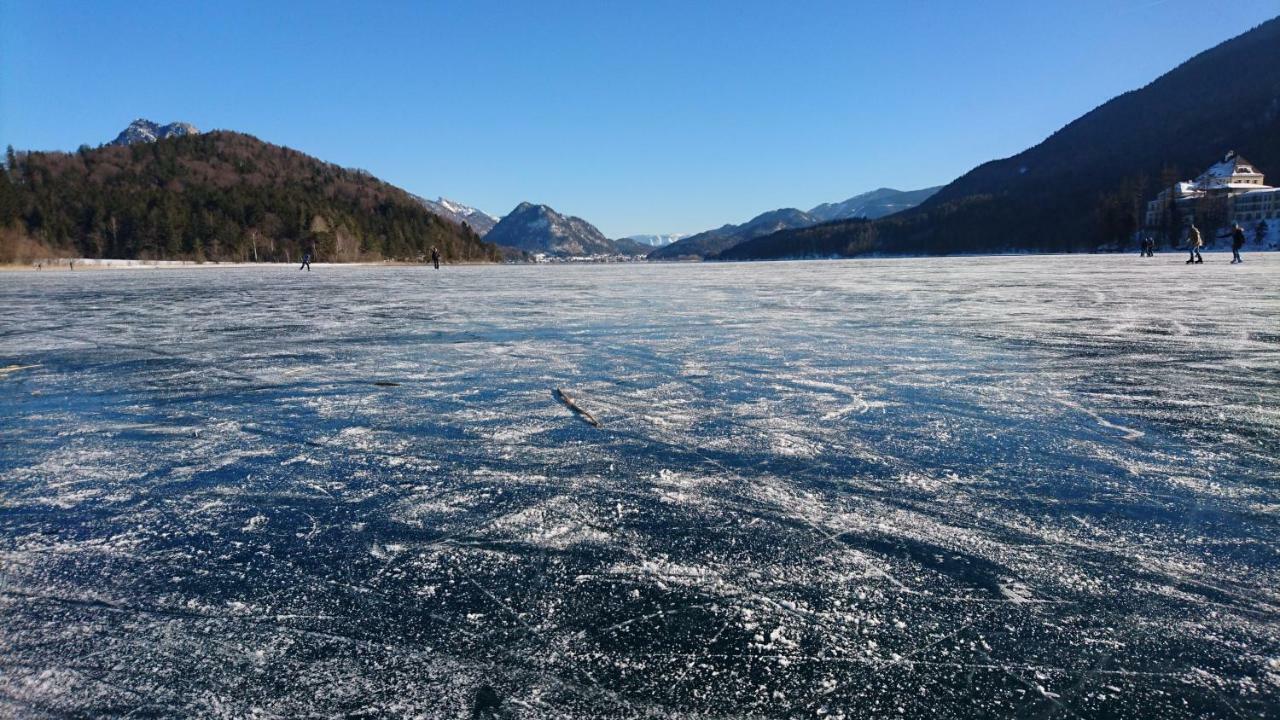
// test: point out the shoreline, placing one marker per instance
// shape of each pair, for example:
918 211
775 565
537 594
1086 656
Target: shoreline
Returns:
96 264
93 264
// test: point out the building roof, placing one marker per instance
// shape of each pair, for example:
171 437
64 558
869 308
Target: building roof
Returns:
1232 165
1257 193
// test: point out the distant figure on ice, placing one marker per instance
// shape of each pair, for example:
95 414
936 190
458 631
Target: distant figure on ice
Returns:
1194 242
435 257
1148 248
306 262
1237 242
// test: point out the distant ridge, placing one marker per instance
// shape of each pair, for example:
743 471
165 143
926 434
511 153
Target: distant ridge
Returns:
710 244
478 220
872 205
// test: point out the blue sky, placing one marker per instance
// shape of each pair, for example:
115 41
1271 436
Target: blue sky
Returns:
654 117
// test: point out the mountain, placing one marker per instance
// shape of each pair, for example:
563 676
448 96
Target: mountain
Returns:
872 205
145 131
1084 186
217 196
478 220
539 229
655 241
709 244
713 242
629 246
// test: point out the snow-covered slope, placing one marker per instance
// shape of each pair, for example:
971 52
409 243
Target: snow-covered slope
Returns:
479 220
657 240
539 229
145 131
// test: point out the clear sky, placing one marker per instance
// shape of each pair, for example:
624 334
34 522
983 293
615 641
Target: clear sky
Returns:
641 117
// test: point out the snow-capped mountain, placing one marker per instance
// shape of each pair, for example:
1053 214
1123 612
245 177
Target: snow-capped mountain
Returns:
872 205
145 131
657 241
479 220
539 229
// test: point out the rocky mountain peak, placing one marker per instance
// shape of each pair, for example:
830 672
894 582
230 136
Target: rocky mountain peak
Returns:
478 220
146 131
540 229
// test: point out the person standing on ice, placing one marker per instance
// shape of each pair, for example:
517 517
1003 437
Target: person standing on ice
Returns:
1194 242
306 262
435 257
1237 242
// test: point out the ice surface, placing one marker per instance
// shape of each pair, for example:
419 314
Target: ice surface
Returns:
978 487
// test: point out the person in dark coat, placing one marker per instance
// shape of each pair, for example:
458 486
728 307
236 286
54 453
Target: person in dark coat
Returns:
435 257
306 262
1237 242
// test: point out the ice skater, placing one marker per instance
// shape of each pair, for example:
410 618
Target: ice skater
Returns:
1194 242
435 257
306 262
1237 242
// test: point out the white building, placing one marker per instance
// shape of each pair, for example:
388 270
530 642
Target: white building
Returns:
1183 194
1235 179
1259 205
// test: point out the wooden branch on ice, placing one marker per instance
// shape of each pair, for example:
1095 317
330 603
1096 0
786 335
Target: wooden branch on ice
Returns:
572 404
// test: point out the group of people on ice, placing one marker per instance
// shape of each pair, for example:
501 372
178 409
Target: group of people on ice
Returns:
306 260
1195 241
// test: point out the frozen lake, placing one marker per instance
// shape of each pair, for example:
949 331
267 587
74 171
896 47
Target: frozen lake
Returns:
976 487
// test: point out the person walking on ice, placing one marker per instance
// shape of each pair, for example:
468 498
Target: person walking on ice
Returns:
1237 242
435 257
1194 242
306 262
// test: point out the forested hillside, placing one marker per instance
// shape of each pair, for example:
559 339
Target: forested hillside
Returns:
213 196
1084 187
711 243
